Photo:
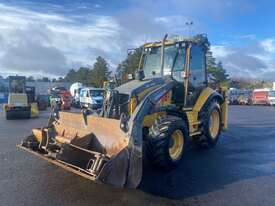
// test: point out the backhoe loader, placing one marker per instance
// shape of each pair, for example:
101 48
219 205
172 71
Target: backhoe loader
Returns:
167 104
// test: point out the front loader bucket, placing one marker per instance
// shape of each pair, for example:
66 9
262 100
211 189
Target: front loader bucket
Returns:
96 147
86 145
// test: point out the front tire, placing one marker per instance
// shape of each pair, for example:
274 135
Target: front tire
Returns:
167 142
210 117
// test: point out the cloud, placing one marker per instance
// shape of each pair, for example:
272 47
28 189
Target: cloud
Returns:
21 16
48 39
255 60
221 51
268 45
31 56
51 44
244 62
76 39
136 23
29 50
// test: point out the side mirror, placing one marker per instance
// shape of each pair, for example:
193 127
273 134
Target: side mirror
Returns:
140 75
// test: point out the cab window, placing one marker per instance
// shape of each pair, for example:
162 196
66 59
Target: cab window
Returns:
82 93
197 66
179 64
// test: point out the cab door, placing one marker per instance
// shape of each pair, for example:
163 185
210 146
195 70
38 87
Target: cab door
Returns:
178 71
197 78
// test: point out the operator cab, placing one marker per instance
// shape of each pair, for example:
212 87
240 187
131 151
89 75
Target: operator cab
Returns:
184 61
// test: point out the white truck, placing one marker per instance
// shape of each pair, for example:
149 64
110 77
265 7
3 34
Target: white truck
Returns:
75 92
91 98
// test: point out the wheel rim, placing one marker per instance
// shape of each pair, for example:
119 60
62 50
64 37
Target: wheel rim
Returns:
214 124
176 145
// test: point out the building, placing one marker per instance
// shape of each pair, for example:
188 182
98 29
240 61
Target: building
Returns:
44 87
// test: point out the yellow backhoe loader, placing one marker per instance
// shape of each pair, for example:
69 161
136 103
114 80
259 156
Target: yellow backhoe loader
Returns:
166 105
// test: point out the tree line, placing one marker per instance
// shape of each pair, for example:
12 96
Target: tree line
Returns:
216 73
94 76
100 72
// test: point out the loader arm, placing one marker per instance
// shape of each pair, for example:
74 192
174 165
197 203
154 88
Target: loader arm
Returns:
135 131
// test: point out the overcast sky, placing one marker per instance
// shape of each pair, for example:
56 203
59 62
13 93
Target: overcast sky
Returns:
47 37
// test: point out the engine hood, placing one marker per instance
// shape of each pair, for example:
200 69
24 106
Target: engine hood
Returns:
117 102
136 87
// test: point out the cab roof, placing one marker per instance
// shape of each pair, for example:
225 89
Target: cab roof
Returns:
197 39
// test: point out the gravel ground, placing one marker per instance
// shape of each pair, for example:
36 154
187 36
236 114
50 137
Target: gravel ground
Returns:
240 170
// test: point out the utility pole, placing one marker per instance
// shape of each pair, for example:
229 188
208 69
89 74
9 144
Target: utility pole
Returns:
189 25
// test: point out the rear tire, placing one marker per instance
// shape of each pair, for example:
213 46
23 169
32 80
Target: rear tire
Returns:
167 142
210 117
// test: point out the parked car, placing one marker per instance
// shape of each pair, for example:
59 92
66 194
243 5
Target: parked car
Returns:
91 98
